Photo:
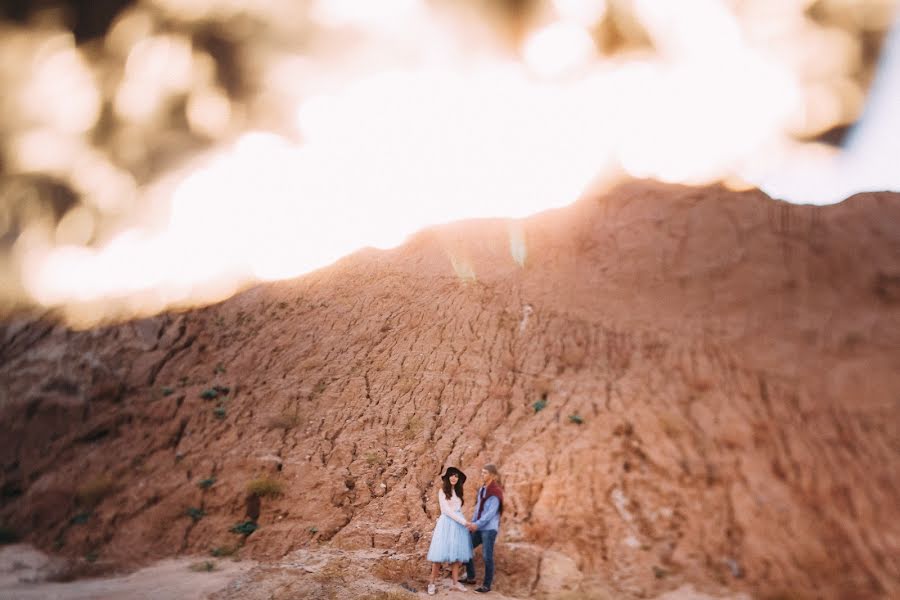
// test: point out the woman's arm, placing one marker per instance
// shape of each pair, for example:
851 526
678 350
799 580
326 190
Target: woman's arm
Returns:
446 510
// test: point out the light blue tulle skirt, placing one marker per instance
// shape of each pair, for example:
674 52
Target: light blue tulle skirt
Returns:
450 542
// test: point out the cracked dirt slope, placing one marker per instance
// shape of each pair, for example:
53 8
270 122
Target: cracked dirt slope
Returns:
733 361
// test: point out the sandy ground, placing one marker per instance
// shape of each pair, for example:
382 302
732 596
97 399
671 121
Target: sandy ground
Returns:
25 574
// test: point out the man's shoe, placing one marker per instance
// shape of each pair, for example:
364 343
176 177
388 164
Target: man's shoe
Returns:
482 590
466 581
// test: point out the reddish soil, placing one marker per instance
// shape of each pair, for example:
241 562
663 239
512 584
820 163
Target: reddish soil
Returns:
719 371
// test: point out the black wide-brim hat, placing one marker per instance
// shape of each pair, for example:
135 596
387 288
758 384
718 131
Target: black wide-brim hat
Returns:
454 471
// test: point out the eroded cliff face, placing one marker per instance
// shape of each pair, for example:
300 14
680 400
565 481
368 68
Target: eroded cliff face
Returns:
719 372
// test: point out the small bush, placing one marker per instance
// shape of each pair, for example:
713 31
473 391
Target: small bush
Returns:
205 566
219 412
94 490
576 419
374 458
412 428
195 513
80 519
8 535
334 571
220 368
219 551
539 405
205 484
396 570
245 528
314 530
285 420
209 394
265 487
167 391
392 595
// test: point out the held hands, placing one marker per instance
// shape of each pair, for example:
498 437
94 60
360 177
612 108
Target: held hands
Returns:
472 527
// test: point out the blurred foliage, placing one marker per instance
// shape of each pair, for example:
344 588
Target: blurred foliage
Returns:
107 97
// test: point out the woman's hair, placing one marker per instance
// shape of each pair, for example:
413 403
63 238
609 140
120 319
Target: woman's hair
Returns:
458 488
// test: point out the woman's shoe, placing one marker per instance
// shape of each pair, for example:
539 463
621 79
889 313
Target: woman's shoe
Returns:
431 589
458 587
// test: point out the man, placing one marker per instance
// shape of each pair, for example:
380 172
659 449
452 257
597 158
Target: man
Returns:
485 525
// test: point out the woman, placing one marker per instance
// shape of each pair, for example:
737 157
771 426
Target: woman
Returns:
450 542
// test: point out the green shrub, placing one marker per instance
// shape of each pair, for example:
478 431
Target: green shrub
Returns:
80 519
539 405
209 394
245 528
8 535
205 484
195 513
576 419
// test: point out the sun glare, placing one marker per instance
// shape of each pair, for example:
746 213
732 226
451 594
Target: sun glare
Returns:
390 137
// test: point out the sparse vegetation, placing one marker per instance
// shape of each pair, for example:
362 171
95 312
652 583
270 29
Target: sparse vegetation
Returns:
8 535
539 405
577 419
205 566
374 458
391 595
334 571
245 528
92 556
209 394
219 412
195 513
314 530
265 487
205 484
80 519
93 491
219 551
579 595
284 420
167 391
412 428
220 368
397 570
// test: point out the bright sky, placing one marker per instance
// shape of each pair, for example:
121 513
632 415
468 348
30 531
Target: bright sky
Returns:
377 153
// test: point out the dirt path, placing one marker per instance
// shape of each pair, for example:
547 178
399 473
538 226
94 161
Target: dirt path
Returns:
24 574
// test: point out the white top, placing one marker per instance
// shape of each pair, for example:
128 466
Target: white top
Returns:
452 507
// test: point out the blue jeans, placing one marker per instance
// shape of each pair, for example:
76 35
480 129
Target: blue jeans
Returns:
487 539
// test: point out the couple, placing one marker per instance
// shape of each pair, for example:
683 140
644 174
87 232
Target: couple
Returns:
454 537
